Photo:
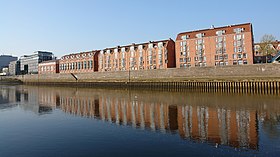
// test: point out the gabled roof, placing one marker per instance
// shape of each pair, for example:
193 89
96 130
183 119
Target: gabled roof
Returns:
212 31
138 44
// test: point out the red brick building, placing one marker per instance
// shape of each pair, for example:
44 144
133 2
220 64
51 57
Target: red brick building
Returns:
48 67
144 56
83 62
229 45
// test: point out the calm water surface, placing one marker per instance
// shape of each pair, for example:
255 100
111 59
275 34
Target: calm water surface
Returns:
51 121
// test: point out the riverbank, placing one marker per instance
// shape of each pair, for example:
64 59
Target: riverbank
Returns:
9 81
247 77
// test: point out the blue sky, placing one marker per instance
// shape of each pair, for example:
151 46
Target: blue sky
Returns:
67 26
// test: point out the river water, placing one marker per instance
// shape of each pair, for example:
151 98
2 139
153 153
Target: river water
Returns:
64 121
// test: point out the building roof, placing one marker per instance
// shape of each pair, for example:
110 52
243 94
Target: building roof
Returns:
212 31
275 44
36 53
138 44
49 61
81 53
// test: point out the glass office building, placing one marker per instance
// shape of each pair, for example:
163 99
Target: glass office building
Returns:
29 63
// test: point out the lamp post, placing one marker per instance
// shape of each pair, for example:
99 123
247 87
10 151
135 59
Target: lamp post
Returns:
129 71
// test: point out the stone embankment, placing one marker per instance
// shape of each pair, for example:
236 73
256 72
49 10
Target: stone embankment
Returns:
247 77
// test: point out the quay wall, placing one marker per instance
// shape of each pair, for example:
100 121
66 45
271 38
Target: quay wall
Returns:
256 79
262 72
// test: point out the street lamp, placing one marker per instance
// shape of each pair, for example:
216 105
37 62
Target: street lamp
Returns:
129 71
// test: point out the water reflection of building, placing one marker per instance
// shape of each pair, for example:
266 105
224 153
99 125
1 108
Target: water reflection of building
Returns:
121 111
237 128
27 98
8 94
228 119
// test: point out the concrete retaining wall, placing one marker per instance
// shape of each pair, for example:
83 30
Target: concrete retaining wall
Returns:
226 73
264 71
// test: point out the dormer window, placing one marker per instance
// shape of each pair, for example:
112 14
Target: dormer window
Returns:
238 30
185 37
220 32
200 35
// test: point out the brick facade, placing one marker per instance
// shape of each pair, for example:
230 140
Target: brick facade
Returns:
48 67
84 62
229 45
151 55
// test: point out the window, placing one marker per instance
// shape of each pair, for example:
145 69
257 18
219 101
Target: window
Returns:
240 62
239 43
200 35
116 53
225 56
199 42
216 57
239 56
90 64
238 37
239 49
238 30
160 44
219 39
221 32
150 46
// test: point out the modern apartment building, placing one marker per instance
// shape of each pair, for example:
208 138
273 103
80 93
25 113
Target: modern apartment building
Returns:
83 62
229 45
144 56
49 67
29 63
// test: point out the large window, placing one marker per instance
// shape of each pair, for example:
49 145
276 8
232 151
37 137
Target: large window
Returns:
123 59
85 64
140 49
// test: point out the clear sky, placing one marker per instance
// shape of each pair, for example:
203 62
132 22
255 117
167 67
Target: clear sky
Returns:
68 26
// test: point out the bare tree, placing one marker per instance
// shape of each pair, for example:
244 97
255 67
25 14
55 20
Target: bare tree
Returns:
266 45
